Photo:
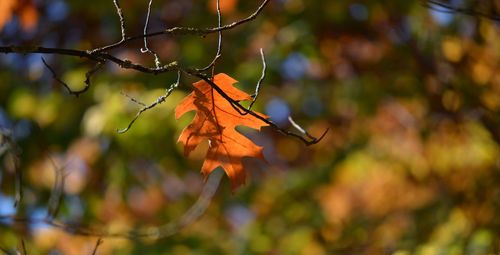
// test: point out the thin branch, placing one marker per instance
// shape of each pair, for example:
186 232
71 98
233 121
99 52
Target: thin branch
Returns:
96 57
219 43
122 26
146 49
97 244
122 19
100 55
132 99
158 101
54 76
186 30
91 72
262 77
299 128
447 8
88 75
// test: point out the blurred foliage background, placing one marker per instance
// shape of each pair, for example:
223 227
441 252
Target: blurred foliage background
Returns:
411 95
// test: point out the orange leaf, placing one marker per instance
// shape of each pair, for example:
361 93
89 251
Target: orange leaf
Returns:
215 121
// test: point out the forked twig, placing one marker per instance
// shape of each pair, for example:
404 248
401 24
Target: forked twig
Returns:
186 30
158 101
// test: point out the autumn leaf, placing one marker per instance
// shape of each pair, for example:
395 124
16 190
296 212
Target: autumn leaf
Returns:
215 121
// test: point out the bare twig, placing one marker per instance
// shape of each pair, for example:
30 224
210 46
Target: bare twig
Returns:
122 26
186 30
219 43
170 67
122 19
88 75
96 57
158 101
99 55
133 99
447 8
262 77
97 244
146 49
91 72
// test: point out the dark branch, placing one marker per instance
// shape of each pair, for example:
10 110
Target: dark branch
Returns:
444 7
100 56
186 30
88 75
97 244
